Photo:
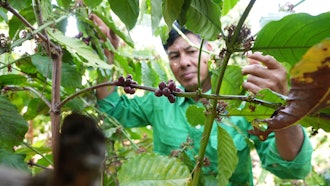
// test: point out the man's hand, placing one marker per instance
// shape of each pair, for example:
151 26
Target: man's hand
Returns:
110 34
265 72
103 92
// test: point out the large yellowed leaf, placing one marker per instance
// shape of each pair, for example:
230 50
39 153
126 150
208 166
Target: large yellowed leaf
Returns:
309 93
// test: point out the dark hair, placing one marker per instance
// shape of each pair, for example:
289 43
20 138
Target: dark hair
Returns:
173 35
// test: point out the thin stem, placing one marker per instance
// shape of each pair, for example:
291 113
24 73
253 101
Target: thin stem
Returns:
26 22
189 42
84 91
36 151
210 117
40 95
199 65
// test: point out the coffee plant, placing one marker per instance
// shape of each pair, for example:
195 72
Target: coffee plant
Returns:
57 74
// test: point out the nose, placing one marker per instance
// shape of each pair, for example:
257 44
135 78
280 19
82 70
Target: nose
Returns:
184 60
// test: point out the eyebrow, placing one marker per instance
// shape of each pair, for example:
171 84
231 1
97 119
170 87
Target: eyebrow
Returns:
175 51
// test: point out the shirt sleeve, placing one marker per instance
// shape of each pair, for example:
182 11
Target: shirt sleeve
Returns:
130 112
298 168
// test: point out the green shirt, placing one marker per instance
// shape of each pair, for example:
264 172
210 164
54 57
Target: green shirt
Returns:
171 129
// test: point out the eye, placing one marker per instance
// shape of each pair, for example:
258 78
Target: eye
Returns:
191 51
174 56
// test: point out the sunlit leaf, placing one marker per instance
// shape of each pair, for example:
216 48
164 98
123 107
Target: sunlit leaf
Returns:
152 169
289 38
12 79
64 3
92 3
12 125
203 17
227 6
195 115
107 19
79 48
149 75
227 156
126 10
156 14
232 81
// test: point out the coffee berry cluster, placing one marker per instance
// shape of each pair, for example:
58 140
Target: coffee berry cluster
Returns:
167 89
126 83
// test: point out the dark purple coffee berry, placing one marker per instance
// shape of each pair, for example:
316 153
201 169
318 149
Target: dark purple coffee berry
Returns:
171 85
177 90
162 85
128 82
166 92
121 80
129 76
79 35
127 90
132 91
171 98
158 92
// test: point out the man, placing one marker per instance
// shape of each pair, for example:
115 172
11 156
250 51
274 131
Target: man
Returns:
286 153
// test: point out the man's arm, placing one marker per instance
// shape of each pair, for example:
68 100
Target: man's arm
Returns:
105 91
265 72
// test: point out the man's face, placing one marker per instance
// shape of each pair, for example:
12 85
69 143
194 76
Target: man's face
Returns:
183 60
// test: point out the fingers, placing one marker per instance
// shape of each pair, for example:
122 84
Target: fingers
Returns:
251 87
264 72
267 60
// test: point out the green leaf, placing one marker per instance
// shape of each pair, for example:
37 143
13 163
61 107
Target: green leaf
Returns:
171 10
15 25
252 110
92 3
3 15
107 19
232 81
26 66
152 169
64 3
35 107
12 79
44 66
317 122
183 14
203 17
227 6
195 115
46 9
227 156
19 4
75 76
80 49
75 104
156 14
289 38
149 75
126 10
12 125
10 159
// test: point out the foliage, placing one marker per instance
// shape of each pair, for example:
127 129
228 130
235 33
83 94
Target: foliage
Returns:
30 85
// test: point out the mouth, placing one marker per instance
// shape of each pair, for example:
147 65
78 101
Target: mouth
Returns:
188 75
